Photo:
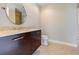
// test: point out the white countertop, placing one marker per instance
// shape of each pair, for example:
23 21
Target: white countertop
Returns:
13 32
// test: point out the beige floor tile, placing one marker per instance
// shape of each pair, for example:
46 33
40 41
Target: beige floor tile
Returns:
56 49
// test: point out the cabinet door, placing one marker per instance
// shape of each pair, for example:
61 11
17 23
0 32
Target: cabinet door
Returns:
26 44
36 39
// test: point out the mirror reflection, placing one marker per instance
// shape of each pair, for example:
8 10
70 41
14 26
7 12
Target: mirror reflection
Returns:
15 12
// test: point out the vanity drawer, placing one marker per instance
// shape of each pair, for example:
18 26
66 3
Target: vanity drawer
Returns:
20 44
15 45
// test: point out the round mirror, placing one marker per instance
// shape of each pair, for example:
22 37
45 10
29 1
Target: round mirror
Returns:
15 12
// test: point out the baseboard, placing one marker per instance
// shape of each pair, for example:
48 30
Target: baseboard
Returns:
65 43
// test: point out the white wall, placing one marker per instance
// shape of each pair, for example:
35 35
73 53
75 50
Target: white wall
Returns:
59 22
78 23
32 19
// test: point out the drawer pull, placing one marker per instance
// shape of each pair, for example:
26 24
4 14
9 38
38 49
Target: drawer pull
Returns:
18 38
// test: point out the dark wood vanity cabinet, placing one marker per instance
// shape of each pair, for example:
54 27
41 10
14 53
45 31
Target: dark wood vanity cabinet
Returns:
20 44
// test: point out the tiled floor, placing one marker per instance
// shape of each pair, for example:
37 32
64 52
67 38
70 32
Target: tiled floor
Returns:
56 49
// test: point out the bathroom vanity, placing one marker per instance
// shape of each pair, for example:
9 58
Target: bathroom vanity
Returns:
19 42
